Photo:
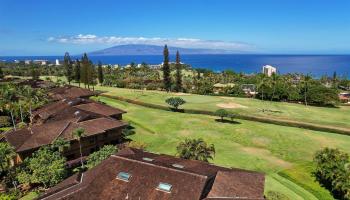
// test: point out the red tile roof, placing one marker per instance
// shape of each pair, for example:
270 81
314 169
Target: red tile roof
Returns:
195 181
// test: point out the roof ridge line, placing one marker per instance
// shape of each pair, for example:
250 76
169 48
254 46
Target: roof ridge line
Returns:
151 164
64 128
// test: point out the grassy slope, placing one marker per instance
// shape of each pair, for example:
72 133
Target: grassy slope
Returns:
283 153
339 117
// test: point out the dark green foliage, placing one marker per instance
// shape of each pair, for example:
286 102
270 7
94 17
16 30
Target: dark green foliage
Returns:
5 121
175 102
166 69
46 167
77 71
333 172
67 63
1 73
98 156
221 113
178 68
100 73
195 149
7 153
35 73
60 145
84 67
321 95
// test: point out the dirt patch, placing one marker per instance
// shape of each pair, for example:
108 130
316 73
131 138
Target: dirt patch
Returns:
230 105
266 155
185 132
261 142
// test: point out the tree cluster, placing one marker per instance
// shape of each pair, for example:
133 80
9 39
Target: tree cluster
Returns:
195 149
333 172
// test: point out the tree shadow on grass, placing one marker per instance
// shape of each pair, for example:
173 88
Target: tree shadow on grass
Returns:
227 121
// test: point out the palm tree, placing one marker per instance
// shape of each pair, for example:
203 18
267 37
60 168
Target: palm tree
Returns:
195 149
78 134
307 79
61 144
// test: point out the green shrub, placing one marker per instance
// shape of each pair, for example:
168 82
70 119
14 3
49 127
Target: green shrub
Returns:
98 156
4 121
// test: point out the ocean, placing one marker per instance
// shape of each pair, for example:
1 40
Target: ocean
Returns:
317 65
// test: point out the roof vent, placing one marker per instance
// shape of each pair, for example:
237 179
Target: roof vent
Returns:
165 187
147 159
178 166
123 176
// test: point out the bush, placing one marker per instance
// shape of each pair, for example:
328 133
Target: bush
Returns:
137 145
4 121
98 156
195 149
175 102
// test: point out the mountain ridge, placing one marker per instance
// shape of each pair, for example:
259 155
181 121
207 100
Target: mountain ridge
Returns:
143 49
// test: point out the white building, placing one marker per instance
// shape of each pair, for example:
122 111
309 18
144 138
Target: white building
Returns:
57 62
269 70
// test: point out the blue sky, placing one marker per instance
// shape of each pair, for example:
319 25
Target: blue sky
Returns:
42 27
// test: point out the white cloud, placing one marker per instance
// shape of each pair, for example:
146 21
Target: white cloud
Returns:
176 42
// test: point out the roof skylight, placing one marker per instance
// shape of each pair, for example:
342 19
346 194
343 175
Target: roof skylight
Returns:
178 166
123 176
166 187
147 159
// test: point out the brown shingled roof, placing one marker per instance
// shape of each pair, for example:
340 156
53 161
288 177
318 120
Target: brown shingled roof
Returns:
100 109
40 135
68 92
187 183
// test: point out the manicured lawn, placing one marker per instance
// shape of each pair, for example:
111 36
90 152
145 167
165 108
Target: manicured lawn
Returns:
338 117
283 153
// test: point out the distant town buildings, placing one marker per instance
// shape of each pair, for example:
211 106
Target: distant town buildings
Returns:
269 70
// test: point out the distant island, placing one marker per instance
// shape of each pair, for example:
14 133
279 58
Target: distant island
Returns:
143 49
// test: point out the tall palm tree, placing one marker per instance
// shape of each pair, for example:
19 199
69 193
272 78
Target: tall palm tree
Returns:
61 144
195 149
78 134
307 79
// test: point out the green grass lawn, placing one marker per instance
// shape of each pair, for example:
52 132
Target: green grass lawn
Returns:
338 117
30 196
283 153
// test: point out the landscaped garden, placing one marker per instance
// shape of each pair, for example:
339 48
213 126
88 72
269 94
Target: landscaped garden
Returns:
284 153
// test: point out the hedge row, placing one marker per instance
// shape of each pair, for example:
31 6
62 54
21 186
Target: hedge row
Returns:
280 122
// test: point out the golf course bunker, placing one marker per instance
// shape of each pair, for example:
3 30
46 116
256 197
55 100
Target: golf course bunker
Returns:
230 105
181 94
